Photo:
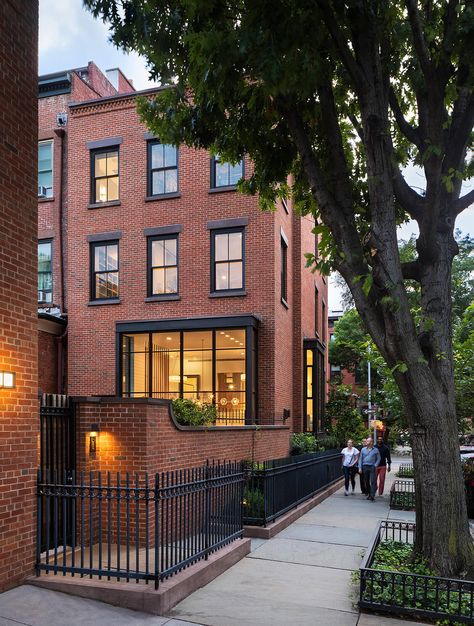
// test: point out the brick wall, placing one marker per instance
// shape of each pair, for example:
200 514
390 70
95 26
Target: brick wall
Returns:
18 319
140 436
48 362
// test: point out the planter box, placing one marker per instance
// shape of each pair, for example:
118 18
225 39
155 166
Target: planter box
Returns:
426 597
402 495
406 470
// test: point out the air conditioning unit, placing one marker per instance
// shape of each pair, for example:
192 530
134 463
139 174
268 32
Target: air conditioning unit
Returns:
61 119
42 191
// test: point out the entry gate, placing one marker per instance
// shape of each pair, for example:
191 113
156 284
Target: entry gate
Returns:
57 453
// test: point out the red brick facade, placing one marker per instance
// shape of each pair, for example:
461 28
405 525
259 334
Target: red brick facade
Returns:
18 321
96 113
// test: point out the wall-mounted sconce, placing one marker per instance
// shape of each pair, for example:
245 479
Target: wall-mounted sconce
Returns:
94 433
7 380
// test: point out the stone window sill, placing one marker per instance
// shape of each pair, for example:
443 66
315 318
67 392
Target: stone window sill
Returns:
164 298
223 189
101 205
231 293
105 301
163 196
46 199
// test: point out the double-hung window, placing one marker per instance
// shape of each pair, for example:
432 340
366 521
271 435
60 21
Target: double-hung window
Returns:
104 270
45 169
162 169
45 271
162 265
225 174
227 260
105 175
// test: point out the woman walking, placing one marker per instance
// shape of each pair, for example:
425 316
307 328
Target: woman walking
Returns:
350 456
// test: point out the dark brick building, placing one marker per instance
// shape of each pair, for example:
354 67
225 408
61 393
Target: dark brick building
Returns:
173 284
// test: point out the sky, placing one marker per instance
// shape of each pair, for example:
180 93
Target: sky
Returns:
69 37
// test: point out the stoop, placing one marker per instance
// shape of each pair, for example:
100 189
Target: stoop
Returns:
144 597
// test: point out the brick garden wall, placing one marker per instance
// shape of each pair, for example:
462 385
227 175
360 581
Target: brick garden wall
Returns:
140 436
19 421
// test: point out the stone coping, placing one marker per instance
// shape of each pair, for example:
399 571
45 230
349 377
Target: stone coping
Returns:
144 597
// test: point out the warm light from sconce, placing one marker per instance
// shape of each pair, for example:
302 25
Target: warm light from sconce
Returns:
7 380
94 431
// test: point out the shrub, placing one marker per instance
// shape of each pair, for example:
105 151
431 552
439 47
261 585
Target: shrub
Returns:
346 422
254 503
190 413
301 443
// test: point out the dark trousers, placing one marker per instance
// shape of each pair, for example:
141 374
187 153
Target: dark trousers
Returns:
370 479
349 474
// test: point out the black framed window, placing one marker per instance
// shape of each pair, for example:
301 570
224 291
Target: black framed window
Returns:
284 270
162 265
227 259
45 271
212 365
162 168
225 174
105 175
314 386
104 270
45 169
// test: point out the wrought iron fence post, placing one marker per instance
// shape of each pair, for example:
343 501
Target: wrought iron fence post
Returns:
207 509
39 523
157 523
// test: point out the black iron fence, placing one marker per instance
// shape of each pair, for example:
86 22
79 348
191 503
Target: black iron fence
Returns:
274 487
406 470
417 595
402 495
136 527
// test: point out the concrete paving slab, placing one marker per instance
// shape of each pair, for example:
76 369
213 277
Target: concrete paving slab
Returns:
254 589
42 607
274 613
310 553
9 622
405 516
330 534
256 542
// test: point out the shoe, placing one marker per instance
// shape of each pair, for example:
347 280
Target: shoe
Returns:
346 492
372 499
353 492
367 497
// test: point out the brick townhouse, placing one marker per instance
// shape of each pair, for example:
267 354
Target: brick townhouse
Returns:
172 283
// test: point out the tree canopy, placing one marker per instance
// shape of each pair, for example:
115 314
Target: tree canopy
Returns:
331 101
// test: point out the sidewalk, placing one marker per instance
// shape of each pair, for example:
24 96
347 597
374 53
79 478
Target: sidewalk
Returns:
301 577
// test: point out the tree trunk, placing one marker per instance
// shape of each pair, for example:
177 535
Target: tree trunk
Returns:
442 528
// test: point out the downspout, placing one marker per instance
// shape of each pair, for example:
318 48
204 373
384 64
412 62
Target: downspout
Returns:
61 134
60 360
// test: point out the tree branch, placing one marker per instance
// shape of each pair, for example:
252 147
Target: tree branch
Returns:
340 40
411 270
411 133
418 37
464 202
407 198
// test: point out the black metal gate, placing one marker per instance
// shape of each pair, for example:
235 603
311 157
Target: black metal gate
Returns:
57 453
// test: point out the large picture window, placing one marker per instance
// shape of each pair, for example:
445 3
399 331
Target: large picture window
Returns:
163 265
203 365
225 174
45 271
162 169
104 270
105 175
314 383
45 169
284 270
227 259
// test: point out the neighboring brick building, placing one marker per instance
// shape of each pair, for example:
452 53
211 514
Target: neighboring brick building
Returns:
18 323
175 284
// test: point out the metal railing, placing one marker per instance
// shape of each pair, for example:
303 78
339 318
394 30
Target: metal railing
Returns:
402 495
136 527
274 487
406 470
417 595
